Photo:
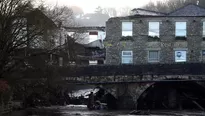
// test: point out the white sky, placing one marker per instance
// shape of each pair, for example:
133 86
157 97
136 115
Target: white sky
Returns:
89 6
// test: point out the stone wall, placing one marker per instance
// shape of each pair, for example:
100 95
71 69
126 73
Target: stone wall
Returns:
128 94
140 45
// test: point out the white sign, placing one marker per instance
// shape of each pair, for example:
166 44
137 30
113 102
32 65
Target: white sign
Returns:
180 56
94 62
203 52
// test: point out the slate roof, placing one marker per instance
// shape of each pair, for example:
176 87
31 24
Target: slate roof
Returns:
36 16
188 10
144 12
83 29
96 43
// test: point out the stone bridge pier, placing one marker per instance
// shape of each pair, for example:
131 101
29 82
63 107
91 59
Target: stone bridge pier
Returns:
127 94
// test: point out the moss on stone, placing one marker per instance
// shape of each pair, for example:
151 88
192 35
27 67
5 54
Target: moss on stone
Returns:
180 38
126 38
153 38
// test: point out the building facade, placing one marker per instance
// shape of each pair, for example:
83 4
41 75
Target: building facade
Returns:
153 37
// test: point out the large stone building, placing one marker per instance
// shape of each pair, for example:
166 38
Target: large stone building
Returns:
153 37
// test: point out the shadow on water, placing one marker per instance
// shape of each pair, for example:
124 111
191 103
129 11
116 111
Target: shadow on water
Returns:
83 111
70 110
36 112
173 96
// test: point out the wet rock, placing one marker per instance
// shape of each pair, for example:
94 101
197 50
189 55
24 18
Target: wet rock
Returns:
78 114
135 112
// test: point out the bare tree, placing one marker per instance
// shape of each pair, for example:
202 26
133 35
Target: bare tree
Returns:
68 39
159 6
62 15
77 11
124 11
99 10
21 28
112 12
18 29
170 5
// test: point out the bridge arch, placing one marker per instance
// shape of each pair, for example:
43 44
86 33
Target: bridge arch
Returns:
173 94
106 95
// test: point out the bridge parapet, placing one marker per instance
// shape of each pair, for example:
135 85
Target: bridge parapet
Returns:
124 73
109 80
130 70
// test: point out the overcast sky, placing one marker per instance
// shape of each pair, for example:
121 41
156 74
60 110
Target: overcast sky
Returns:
89 5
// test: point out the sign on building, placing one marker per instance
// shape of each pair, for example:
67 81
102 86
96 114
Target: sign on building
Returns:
180 56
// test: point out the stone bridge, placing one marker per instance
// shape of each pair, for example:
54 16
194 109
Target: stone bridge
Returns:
142 86
128 89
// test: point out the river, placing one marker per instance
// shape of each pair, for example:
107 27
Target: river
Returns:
81 110
70 110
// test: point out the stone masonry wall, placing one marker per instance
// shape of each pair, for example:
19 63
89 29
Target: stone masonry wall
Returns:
128 94
167 44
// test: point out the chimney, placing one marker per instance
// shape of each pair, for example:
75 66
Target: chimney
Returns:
197 2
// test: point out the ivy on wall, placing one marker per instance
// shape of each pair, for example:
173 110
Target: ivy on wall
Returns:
180 38
203 38
107 44
153 38
126 38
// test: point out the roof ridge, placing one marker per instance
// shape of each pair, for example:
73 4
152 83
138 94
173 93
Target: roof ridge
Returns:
198 6
149 10
188 4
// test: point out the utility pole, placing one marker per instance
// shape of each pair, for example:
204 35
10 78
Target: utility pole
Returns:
60 58
60 39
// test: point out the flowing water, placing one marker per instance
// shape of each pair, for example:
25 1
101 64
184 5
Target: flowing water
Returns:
81 110
71 110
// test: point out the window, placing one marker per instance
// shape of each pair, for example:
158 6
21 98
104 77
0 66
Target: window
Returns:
203 29
60 61
180 29
180 56
203 55
153 56
93 36
154 29
93 62
127 57
126 28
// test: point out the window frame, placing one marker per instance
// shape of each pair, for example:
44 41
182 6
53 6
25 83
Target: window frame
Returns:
175 56
149 25
60 61
93 62
179 29
127 56
126 30
203 29
203 50
152 61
